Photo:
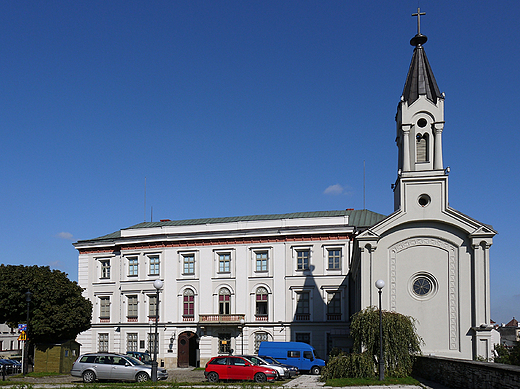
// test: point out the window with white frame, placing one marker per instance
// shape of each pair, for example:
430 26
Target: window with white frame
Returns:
261 261
103 343
132 306
188 303
153 265
302 305
132 266
302 257
224 343
131 341
104 307
261 302
224 262
259 338
224 301
152 305
105 268
188 261
152 344
334 258
333 305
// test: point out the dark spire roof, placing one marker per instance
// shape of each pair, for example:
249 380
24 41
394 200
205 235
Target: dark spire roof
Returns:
420 79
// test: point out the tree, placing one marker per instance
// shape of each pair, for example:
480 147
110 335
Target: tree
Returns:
58 311
401 342
508 355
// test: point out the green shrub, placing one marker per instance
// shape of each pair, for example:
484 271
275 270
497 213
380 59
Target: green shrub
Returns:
349 366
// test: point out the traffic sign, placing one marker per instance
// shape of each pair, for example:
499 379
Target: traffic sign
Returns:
23 336
22 327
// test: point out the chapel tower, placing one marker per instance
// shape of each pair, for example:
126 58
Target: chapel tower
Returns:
420 121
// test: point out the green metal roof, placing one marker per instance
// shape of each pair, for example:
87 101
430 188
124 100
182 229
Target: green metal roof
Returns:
357 218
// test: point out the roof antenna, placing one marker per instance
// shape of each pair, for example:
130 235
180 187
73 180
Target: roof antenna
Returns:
364 184
145 199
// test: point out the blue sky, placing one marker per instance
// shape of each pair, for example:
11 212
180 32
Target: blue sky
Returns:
243 107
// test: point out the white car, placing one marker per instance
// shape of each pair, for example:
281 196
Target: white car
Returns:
282 371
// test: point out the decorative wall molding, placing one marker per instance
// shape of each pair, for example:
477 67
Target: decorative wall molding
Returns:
453 287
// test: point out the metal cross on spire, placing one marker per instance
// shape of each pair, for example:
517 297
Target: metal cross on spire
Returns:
418 14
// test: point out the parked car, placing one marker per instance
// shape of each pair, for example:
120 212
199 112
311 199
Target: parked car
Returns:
281 371
143 357
237 368
108 366
299 354
293 370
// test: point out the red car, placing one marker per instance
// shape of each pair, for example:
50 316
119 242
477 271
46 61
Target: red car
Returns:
236 368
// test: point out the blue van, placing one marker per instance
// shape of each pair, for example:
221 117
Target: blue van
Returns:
299 354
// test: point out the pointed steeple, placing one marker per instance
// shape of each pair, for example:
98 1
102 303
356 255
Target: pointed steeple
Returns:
420 79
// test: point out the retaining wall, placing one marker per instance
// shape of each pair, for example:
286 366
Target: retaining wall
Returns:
464 374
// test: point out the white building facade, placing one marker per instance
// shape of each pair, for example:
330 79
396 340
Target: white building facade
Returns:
229 284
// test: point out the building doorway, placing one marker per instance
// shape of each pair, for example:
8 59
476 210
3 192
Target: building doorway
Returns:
188 349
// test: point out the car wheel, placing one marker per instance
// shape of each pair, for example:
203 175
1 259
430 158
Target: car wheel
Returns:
141 377
212 376
315 370
89 377
260 377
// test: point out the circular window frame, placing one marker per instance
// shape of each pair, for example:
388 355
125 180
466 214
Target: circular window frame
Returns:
424 200
427 276
422 122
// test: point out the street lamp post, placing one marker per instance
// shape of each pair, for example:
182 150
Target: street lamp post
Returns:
25 366
242 322
380 284
157 284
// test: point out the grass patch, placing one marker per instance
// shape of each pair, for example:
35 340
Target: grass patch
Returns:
371 381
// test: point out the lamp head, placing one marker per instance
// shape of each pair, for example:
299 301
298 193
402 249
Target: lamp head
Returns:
380 284
158 284
242 321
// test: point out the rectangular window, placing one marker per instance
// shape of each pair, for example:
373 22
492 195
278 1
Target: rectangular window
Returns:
224 261
189 264
131 342
132 306
303 259
104 307
224 304
333 306
152 306
259 338
261 261
302 305
103 343
105 268
224 343
132 266
152 343
304 337
334 258
154 265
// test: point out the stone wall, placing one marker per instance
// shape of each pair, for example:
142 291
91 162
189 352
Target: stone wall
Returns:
464 374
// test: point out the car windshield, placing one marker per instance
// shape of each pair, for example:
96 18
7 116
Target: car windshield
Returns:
271 360
133 360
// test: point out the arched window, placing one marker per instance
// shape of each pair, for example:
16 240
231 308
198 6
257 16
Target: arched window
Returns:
261 303
188 304
422 147
224 301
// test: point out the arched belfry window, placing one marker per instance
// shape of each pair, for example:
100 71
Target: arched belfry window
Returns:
422 148
261 304
224 301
